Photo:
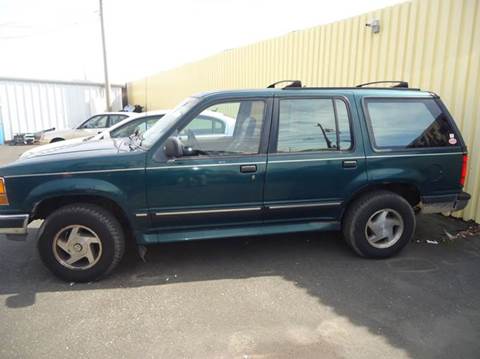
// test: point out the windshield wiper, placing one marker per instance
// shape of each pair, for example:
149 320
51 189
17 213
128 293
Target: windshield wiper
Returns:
135 142
137 137
327 140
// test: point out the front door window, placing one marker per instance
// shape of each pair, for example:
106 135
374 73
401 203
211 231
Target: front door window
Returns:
224 129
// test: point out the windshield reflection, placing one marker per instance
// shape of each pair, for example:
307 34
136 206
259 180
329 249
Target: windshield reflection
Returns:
154 133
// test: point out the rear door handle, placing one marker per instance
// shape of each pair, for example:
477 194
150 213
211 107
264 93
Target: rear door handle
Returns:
349 164
248 168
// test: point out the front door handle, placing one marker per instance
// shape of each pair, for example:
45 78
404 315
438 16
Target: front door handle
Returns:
248 168
349 164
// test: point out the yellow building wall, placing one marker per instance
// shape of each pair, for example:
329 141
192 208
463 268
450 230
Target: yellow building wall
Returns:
432 44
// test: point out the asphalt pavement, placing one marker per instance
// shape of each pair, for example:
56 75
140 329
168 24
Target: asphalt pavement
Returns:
287 296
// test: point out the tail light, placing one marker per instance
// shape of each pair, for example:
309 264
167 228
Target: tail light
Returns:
463 174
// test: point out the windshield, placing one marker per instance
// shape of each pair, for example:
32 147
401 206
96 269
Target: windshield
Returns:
158 130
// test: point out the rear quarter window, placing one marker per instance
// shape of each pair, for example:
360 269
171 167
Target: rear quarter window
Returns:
408 123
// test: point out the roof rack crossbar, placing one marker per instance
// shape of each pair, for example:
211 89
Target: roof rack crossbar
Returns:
402 84
293 83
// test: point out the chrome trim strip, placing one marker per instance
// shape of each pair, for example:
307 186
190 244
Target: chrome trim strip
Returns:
241 209
18 230
13 216
141 215
304 205
13 231
232 164
77 172
367 157
318 159
207 165
416 155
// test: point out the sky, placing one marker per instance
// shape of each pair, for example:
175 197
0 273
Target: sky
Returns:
60 39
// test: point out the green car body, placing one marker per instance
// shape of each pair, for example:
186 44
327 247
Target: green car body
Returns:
160 199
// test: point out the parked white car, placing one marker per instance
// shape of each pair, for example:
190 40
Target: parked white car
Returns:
128 126
94 125
208 124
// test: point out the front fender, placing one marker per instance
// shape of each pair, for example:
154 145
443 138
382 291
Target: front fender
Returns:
76 186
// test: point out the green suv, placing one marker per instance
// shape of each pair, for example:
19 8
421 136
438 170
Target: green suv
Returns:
363 160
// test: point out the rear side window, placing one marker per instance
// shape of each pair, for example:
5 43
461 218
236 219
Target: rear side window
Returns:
95 122
307 125
409 123
114 119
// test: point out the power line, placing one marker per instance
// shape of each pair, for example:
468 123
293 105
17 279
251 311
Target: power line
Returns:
105 67
36 30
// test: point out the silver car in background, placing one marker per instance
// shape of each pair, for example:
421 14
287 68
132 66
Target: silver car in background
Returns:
124 128
94 125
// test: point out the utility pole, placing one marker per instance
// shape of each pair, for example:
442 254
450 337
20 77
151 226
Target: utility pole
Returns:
105 67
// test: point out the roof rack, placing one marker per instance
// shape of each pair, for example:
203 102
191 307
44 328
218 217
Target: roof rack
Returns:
402 84
297 85
293 83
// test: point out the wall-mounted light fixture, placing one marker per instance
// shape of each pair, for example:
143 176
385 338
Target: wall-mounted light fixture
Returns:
375 25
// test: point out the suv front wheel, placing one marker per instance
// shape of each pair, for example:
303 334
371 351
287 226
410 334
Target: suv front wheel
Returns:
379 224
81 242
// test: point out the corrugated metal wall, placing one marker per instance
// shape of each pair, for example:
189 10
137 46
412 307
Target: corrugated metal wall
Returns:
432 44
31 105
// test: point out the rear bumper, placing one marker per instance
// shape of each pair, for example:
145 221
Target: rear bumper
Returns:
14 225
444 203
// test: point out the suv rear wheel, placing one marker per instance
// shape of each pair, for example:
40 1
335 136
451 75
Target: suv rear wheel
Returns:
81 242
379 224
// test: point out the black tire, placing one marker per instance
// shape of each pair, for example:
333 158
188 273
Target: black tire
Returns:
57 140
360 211
101 222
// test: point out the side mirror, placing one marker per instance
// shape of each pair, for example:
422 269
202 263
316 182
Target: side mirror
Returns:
173 148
